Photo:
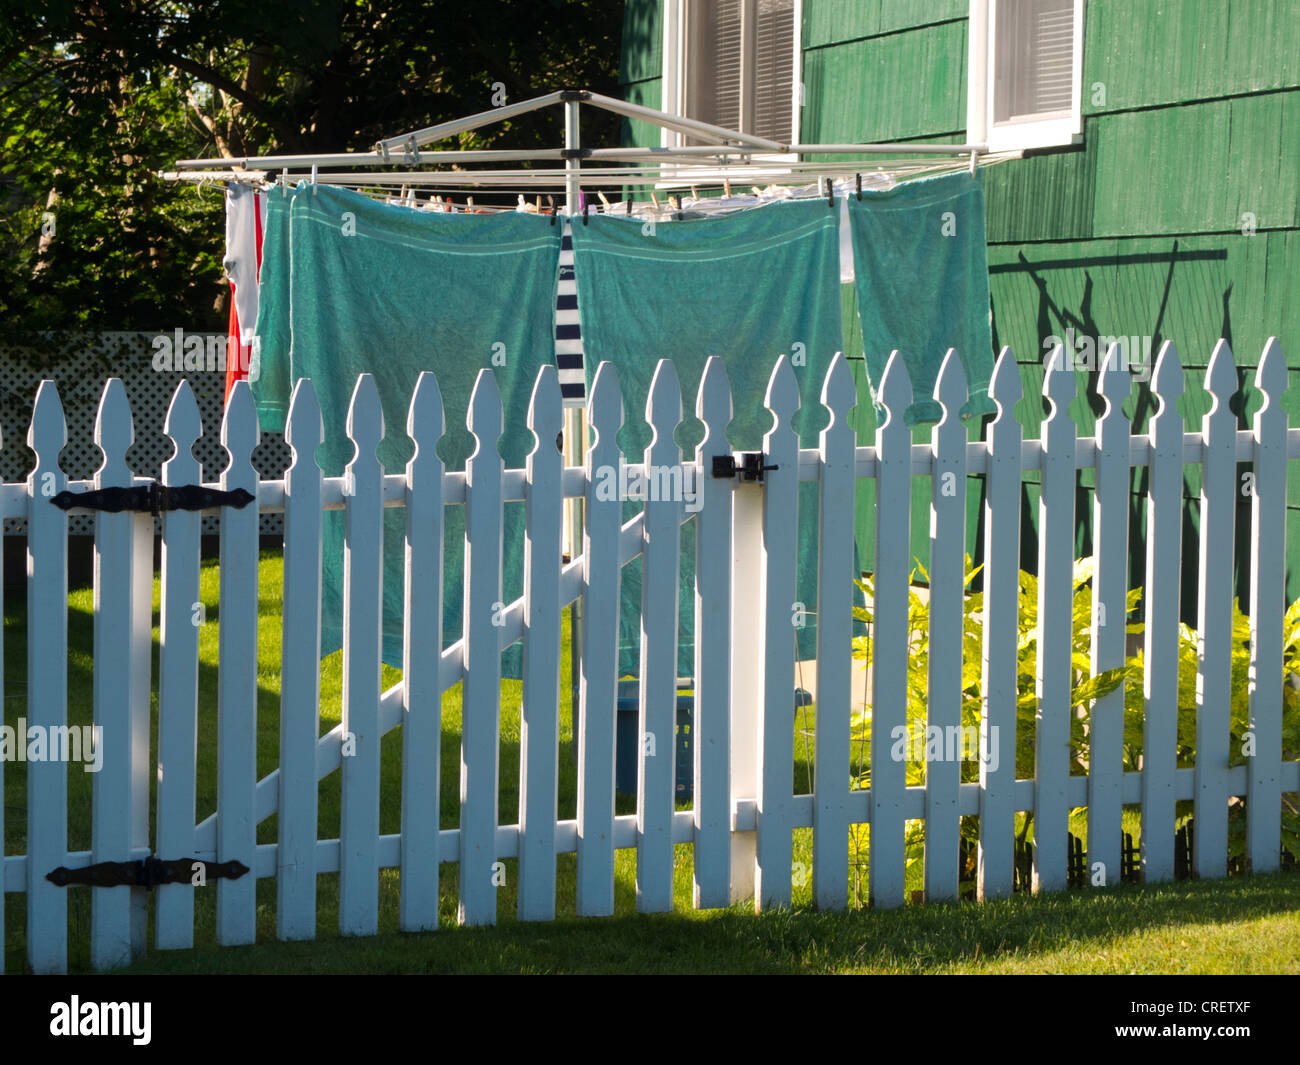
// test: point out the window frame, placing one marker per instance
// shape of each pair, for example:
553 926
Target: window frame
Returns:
676 53
1058 129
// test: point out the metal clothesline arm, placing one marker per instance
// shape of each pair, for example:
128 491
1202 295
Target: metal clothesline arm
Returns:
463 125
681 125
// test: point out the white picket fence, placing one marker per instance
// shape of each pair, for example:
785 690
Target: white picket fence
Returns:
744 811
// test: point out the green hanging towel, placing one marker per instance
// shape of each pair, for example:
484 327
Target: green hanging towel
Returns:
749 287
922 279
392 291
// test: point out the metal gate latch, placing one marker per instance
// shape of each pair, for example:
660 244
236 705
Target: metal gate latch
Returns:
145 873
750 468
153 498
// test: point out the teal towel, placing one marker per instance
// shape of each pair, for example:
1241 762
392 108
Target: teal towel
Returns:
922 282
748 287
392 291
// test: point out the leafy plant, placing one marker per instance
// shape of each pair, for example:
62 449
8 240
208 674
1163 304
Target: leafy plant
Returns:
1086 690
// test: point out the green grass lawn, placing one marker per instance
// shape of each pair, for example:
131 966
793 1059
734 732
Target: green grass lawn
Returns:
1226 926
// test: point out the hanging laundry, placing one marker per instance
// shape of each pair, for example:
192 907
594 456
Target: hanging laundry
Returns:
389 291
245 223
922 283
748 287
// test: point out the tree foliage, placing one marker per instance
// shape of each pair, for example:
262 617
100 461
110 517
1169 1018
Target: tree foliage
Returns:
96 97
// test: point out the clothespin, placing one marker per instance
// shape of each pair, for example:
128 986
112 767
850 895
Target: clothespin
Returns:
859 186
695 194
654 199
469 203
830 193
585 207
726 187
314 186
674 203
603 199
550 202
628 204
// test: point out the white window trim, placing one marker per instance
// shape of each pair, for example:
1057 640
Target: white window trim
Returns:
673 92
1055 130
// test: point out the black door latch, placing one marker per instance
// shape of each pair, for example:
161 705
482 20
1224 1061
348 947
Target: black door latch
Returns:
750 467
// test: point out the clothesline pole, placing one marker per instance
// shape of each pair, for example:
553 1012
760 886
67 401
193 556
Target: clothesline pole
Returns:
574 422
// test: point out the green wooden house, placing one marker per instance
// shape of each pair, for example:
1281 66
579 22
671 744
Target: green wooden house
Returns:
1157 198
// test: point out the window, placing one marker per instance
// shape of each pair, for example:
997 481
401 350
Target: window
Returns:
733 63
1025 93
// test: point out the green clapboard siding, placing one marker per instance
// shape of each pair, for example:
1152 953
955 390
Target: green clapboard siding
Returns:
1142 54
835 21
1193 169
873 90
637 131
642 51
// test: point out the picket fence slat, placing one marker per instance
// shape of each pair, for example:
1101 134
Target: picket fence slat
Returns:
300 672
711 722
178 674
831 765
657 711
744 812
421 652
363 533
47 688
1055 628
944 681
890 650
1109 624
1000 666
539 732
599 667
1267 565
237 688
479 875
1214 617
775 840
110 907
1160 634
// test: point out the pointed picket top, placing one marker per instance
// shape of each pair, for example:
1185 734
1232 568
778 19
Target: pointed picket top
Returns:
895 394
1005 385
713 406
838 394
605 406
365 418
545 408
1221 384
240 432
426 421
484 417
1058 383
304 428
1114 384
113 434
950 388
1271 377
48 431
184 426
663 408
1167 384
782 397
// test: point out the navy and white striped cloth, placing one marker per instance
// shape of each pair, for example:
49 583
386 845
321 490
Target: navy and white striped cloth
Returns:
568 334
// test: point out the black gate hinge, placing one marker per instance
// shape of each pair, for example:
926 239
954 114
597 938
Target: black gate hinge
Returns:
153 498
750 468
145 873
